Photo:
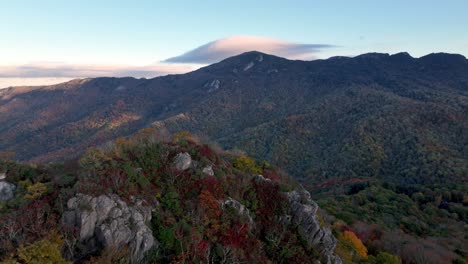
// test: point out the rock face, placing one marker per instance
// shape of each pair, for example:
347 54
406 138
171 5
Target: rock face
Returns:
6 190
304 215
182 161
110 222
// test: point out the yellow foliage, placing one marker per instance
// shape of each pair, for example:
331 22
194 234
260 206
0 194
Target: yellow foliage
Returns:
184 135
355 243
247 164
93 158
41 252
35 191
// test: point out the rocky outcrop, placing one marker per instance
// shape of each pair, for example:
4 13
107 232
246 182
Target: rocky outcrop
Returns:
7 190
111 222
304 215
182 161
240 209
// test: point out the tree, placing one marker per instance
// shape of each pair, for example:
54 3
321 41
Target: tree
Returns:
36 191
356 243
247 164
43 251
384 258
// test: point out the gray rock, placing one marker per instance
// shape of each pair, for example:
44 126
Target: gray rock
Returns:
7 190
182 161
208 170
248 66
241 210
304 216
108 220
261 178
213 86
2 176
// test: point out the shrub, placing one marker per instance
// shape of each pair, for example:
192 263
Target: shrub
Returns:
355 243
384 258
36 191
44 251
247 164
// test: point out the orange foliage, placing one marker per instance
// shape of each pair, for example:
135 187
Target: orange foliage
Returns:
210 202
213 212
356 243
120 141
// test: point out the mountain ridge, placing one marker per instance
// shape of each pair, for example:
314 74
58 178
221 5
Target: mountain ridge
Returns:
380 140
141 102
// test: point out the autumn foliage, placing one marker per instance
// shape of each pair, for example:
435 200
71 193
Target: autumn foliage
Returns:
351 238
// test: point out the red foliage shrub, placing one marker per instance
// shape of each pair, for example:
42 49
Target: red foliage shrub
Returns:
207 152
236 236
267 210
213 185
272 175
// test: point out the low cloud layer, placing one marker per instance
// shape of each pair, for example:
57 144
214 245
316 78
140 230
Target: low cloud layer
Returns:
57 70
223 48
46 73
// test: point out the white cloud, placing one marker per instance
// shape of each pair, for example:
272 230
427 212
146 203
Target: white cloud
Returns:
220 49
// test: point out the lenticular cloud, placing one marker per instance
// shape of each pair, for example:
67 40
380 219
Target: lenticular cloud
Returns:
220 49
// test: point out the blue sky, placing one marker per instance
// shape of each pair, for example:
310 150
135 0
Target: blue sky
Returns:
125 37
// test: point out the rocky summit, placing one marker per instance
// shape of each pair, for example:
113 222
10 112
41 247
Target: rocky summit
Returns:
149 200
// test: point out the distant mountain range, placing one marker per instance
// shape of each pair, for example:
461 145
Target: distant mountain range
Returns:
392 116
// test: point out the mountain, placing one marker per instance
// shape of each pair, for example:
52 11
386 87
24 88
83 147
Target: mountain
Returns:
393 116
379 140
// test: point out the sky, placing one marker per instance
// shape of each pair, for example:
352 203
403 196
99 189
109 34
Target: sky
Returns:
46 41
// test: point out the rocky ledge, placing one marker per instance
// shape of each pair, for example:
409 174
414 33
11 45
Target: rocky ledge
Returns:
304 215
110 222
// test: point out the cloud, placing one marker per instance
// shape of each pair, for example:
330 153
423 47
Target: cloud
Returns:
46 73
223 48
60 70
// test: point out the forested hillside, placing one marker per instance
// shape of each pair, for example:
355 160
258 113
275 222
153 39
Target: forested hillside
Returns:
380 140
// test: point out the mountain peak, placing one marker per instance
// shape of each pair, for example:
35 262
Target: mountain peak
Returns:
444 58
373 55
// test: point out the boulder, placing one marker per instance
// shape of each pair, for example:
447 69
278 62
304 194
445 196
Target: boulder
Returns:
2 176
208 170
7 190
182 161
111 222
304 216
